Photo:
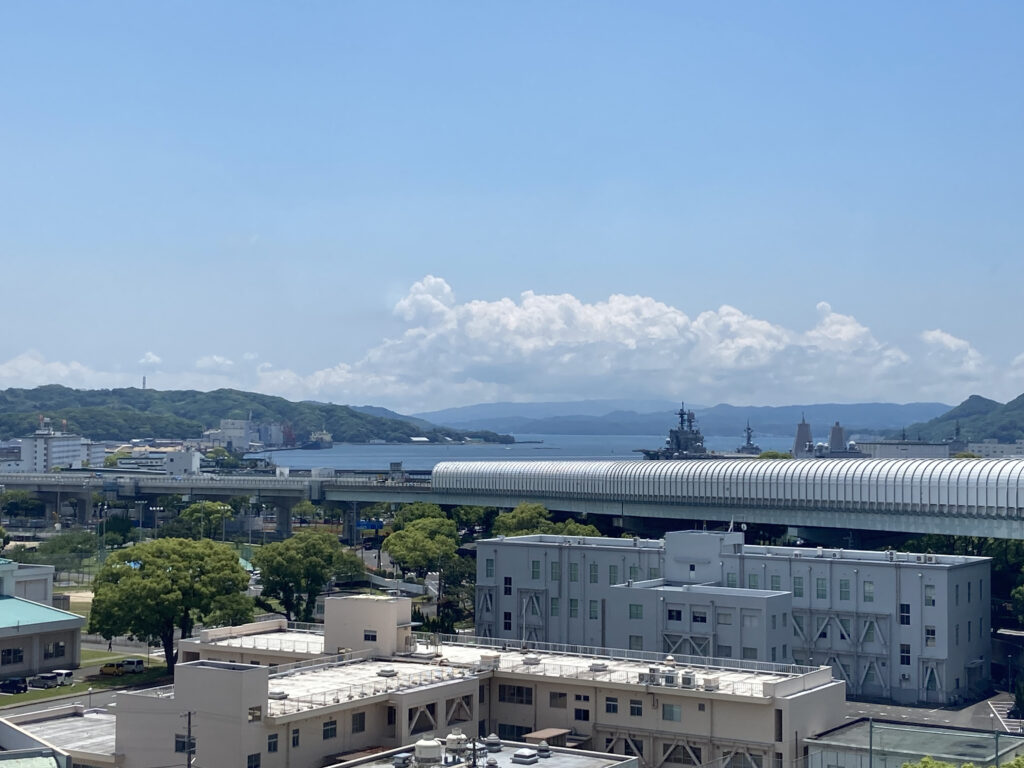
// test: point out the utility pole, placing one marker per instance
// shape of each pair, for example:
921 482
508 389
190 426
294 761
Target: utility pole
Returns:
189 743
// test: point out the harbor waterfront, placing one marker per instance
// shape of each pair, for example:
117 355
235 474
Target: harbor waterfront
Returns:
539 447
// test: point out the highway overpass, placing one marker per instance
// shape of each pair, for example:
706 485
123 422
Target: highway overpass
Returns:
966 497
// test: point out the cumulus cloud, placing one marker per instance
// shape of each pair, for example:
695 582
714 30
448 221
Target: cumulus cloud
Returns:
556 346
216 362
150 358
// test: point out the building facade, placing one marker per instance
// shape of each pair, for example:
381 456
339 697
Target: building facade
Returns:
901 626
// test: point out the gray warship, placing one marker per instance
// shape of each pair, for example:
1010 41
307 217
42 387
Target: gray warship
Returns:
683 442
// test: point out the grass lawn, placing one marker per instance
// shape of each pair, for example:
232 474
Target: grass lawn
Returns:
91 658
154 675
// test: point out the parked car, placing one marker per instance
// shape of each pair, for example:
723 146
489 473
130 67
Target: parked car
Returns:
64 676
133 665
44 680
113 668
14 685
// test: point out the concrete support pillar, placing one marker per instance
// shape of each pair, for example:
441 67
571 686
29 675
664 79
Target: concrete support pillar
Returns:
284 516
84 508
350 523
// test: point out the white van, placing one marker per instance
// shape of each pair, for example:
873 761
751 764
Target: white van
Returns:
64 676
133 665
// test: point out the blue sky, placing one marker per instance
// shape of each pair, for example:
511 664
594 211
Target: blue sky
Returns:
422 205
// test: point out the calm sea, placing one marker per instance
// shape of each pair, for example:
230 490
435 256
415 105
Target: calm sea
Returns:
553 447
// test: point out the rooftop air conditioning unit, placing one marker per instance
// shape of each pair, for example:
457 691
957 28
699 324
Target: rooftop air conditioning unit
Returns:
797 554
905 676
891 554
710 683
687 679
929 558
919 558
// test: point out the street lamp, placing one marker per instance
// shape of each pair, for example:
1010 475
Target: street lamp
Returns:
90 697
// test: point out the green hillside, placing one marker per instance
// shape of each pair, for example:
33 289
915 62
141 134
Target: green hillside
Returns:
979 419
122 414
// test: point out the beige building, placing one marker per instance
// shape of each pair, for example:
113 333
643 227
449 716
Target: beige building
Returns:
393 687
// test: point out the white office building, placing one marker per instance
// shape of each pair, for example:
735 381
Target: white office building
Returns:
900 626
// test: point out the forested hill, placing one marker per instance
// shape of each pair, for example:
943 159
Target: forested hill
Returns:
979 419
122 414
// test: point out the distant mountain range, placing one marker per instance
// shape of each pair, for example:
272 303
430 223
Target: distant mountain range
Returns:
625 417
979 419
123 414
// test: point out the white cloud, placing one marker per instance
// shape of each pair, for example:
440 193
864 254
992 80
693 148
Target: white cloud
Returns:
150 358
216 362
555 346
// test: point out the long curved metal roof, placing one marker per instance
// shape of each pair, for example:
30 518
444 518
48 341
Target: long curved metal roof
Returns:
966 486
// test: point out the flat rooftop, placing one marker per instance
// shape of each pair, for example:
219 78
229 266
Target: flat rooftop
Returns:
605 542
915 741
310 686
862 555
711 590
290 641
91 730
560 758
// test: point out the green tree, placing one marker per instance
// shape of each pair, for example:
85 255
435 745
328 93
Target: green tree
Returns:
21 504
531 517
5 538
423 544
468 516
418 510
306 510
774 455
966 455
153 587
110 460
208 517
80 543
296 570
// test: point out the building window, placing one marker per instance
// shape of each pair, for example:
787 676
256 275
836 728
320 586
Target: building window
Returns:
574 608
844 589
272 742
636 708
594 611
181 743
369 636
750 654
295 737
929 595
673 712
773 621
508 586
636 611
515 694
869 674
358 722
775 582
574 571
798 625
844 629
506 622
968 591
253 761
724 617
869 591
905 614
613 574
490 567
12 656
798 586
956 594
751 620
636 642
821 588
653 573
535 569
330 729
730 580
724 651
611 705
582 697
581 714
753 581
255 714
634 572
557 699
556 570
929 636
554 606
904 654
593 573
675 614
699 617
869 631
54 650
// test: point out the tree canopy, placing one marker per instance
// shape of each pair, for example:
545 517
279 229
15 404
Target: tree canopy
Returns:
418 510
206 518
296 570
153 587
423 544
530 517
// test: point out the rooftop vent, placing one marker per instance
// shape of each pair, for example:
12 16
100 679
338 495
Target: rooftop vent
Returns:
277 695
543 750
401 760
525 756
531 659
598 666
670 660
427 751
387 672
493 744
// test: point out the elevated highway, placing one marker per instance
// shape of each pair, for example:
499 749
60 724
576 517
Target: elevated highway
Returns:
965 497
